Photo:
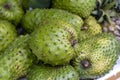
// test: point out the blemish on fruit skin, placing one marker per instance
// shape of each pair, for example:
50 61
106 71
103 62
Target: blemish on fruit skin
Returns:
83 28
7 6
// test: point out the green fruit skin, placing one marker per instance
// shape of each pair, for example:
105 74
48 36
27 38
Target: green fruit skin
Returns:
16 59
7 34
101 51
11 10
83 8
89 29
33 18
51 42
43 72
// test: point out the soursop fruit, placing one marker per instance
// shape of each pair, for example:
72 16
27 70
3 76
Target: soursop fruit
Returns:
43 72
54 42
33 18
90 28
16 59
97 55
82 8
11 10
7 34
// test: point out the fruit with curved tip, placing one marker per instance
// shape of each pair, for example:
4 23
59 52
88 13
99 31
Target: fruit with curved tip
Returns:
83 8
97 55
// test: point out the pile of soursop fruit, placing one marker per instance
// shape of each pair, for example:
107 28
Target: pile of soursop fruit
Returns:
70 40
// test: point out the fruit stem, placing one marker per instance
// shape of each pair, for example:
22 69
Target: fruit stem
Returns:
85 63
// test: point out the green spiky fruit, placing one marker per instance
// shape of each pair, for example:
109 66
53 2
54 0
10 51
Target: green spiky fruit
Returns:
82 8
16 59
89 29
53 42
52 73
97 55
7 34
35 17
11 10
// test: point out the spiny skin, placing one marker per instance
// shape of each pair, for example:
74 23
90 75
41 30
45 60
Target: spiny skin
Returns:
11 10
52 42
7 34
89 29
43 72
83 8
97 55
35 17
16 59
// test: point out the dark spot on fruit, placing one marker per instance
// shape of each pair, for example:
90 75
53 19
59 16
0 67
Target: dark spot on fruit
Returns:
20 30
66 50
7 6
46 45
54 43
16 67
85 64
56 55
6 32
73 42
20 52
63 77
83 28
81 52
73 74
58 48
49 51
8 58
6 39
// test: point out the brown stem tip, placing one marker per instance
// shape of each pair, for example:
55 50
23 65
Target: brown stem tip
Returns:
85 63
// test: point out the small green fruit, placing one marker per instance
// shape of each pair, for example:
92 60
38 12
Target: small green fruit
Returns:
89 29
